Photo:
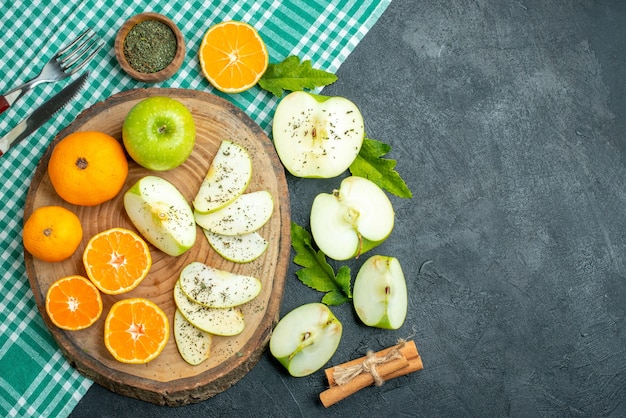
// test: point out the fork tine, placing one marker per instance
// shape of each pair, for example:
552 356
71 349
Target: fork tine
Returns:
75 56
74 42
86 60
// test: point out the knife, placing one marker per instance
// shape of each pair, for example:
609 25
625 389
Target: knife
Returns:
40 116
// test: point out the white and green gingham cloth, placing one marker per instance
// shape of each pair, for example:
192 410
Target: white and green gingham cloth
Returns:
35 379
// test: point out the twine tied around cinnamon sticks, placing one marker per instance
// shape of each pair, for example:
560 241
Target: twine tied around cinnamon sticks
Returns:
375 368
343 375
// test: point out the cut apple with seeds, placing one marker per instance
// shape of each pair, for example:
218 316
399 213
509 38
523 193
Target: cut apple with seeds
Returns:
243 248
379 293
194 345
161 214
248 213
306 338
217 321
217 288
227 178
315 135
352 220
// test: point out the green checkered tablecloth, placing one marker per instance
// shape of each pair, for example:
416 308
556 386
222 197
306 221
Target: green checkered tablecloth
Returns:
35 379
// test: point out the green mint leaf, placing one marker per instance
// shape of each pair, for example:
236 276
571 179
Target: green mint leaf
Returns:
316 272
334 298
370 164
293 75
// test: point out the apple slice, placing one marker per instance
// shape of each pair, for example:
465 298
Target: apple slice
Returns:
216 288
161 214
227 178
379 293
248 213
317 136
306 338
194 345
217 321
352 220
237 248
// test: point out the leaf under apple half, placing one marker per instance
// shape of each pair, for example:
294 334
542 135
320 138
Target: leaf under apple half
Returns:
379 293
227 178
217 321
352 220
317 136
243 248
161 215
248 213
217 288
194 345
306 338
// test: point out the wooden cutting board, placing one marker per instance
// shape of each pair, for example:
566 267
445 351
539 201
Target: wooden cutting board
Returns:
169 380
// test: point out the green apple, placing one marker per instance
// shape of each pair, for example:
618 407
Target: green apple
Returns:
194 345
227 178
217 288
216 321
352 219
306 338
159 133
237 248
248 213
379 293
317 136
161 214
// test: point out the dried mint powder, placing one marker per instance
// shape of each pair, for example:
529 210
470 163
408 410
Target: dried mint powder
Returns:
150 46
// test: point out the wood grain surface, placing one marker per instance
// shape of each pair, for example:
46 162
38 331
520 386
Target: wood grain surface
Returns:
169 379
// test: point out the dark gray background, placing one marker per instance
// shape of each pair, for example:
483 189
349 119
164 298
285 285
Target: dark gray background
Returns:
507 119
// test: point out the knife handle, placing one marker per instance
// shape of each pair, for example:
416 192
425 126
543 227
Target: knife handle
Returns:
4 105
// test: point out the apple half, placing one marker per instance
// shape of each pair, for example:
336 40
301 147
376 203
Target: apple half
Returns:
379 293
248 213
217 321
194 345
352 219
161 214
306 338
217 288
317 136
227 178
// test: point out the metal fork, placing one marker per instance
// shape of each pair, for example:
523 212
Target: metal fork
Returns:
63 64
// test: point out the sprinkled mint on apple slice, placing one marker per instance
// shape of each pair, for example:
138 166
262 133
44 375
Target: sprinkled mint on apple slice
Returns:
237 248
217 288
248 213
194 345
227 178
217 321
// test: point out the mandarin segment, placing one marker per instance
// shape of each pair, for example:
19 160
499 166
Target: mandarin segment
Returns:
52 233
136 330
233 56
73 303
117 260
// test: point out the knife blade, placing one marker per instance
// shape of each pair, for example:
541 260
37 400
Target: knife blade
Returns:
40 116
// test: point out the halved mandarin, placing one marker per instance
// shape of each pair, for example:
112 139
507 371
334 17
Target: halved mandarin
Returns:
233 56
136 330
73 303
117 260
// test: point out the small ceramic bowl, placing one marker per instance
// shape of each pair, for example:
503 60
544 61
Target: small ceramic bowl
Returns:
165 73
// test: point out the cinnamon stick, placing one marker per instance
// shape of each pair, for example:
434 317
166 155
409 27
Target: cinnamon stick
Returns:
336 393
408 351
